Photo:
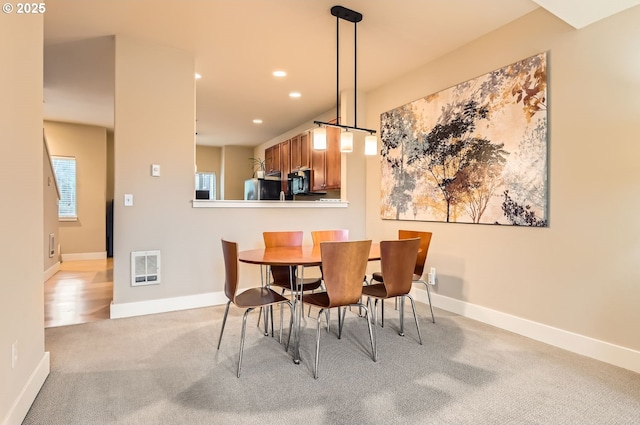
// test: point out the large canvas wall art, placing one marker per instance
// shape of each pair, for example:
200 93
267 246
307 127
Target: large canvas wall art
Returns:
473 153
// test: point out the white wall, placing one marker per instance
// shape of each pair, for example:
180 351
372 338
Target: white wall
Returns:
581 274
21 254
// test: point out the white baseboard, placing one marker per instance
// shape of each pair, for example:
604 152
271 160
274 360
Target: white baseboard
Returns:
85 256
580 344
51 271
163 305
21 406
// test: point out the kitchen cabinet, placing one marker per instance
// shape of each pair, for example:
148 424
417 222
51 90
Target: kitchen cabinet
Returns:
326 164
301 151
272 158
285 163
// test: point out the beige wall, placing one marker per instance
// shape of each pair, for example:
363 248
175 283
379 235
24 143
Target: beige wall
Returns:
581 273
21 176
50 210
88 144
162 216
236 168
110 165
209 160
154 124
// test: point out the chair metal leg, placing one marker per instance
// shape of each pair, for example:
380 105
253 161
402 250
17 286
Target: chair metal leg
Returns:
244 331
281 320
375 327
415 317
401 315
315 368
259 317
341 320
374 351
290 326
328 318
224 322
271 311
426 286
382 313
433 319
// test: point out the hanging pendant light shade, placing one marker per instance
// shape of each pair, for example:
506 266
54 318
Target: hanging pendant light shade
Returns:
346 141
320 138
371 145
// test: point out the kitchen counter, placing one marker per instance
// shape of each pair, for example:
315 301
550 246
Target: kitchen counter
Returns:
337 203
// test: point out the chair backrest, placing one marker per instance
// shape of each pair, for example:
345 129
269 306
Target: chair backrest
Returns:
343 265
230 253
425 241
329 236
273 239
289 238
397 261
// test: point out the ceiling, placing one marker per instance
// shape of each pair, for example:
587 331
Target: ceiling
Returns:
237 44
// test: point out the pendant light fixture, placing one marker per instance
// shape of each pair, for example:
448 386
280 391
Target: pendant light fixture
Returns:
346 137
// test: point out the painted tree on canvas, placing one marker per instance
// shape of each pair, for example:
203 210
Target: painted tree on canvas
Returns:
475 152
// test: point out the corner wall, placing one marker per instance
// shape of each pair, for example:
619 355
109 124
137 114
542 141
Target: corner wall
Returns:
580 275
154 124
21 176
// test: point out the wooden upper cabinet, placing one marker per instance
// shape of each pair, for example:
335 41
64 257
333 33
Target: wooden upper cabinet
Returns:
295 152
301 151
326 164
285 164
333 159
272 158
285 158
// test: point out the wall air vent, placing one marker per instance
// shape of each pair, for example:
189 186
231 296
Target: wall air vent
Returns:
145 268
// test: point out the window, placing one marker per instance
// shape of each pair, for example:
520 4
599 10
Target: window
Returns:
64 168
207 181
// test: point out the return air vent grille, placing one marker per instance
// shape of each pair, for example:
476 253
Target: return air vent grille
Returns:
145 268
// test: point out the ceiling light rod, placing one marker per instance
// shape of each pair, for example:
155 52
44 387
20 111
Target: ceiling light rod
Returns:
341 12
346 127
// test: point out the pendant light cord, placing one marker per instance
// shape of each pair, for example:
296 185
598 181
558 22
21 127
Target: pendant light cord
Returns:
337 70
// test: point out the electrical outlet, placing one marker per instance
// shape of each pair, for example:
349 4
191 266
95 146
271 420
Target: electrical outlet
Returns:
432 276
14 354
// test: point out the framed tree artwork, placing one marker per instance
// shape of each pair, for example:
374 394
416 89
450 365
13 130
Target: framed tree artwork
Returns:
473 153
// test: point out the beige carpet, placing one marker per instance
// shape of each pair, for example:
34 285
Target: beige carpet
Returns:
165 369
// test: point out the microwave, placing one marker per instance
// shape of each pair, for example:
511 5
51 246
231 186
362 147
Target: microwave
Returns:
300 182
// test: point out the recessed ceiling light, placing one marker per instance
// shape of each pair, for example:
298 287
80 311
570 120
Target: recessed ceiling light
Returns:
257 121
279 73
198 76
295 94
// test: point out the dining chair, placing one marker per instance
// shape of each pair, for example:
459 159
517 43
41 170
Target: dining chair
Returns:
397 260
329 236
343 264
249 299
284 276
281 274
425 241
318 236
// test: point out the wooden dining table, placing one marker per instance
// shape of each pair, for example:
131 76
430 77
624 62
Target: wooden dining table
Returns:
294 256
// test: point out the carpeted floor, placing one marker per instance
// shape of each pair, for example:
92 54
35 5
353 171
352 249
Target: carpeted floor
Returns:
165 369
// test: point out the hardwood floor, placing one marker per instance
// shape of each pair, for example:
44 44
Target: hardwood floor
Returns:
80 292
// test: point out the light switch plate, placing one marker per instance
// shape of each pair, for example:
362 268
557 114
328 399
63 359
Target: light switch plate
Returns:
155 170
128 200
